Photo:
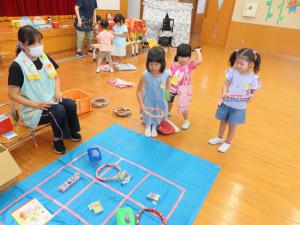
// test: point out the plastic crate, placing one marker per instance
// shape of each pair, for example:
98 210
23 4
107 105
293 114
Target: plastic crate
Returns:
82 99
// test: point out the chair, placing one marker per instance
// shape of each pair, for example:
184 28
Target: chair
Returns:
23 132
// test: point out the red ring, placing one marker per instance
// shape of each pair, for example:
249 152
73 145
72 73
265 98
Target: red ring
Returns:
153 211
118 168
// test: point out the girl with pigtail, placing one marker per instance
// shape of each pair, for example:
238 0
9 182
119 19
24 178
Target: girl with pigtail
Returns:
239 89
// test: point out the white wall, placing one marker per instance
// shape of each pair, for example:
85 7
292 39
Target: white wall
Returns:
108 4
134 8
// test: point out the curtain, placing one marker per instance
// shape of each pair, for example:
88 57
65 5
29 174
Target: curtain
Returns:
18 8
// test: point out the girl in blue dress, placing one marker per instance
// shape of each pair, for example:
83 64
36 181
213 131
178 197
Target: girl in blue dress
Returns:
151 91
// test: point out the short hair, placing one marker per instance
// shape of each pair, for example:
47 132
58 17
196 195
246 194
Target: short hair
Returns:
104 24
119 18
98 18
183 50
156 54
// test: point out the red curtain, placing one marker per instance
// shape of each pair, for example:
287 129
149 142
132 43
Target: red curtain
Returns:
15 8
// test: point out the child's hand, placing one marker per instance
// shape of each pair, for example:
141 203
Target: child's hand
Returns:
143 108
145 111
251 97
224 95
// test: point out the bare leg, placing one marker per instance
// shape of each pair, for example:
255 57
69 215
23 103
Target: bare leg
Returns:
108 57
222 128
136 48
186 115
186 122
231 132
132 49
170 104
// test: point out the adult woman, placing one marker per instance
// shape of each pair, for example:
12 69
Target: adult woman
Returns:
34 84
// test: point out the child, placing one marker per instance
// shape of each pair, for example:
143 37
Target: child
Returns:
120 33
151 90
241 79
181 85
105 39
97 26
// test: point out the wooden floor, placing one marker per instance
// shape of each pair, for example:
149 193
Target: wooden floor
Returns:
259 183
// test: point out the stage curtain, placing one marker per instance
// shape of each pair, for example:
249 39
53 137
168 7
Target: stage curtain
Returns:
18 8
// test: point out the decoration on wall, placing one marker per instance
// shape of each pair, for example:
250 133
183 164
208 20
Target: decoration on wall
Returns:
292 5
269 14
277 13
280 8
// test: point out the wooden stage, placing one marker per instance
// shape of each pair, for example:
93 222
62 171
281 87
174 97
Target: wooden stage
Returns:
55 40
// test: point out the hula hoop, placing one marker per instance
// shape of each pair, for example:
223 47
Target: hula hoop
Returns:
153 211
100 102
118 168
161 115
236 97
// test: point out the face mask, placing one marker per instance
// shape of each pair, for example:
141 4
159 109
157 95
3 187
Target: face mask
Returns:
36 51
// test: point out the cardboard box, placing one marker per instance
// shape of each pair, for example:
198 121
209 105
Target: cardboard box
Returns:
9 169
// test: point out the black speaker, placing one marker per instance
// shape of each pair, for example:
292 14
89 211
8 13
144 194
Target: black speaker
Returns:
167 23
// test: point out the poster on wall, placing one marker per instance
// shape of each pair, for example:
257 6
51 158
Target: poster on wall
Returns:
108 4
281 13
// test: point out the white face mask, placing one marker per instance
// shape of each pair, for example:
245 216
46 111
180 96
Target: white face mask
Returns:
36 51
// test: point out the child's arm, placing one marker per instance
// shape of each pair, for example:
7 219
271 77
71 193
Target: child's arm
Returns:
139 92
199 57
121 34
225 88
252 95
98 38
168 83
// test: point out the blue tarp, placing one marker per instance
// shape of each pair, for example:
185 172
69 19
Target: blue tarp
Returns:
181 179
